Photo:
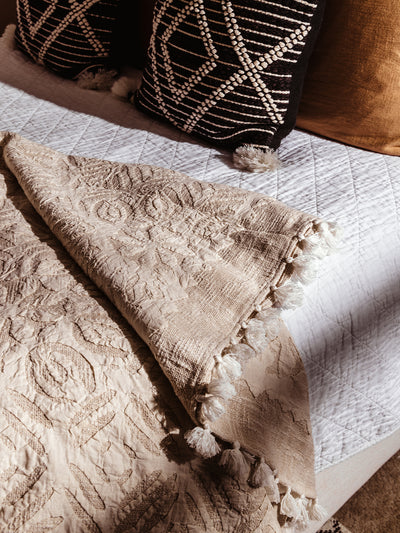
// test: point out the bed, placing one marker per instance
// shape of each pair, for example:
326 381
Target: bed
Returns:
347 331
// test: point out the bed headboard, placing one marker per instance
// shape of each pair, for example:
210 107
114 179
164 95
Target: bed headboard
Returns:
7 13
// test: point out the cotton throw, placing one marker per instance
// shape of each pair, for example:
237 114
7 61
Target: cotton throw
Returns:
148 382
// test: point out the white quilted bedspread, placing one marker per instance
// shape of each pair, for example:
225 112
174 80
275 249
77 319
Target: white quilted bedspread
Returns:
348 330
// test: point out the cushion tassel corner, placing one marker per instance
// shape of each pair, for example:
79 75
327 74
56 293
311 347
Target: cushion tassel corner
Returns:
250 158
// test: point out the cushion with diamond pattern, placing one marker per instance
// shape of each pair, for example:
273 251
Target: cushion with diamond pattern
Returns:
67 36
230 72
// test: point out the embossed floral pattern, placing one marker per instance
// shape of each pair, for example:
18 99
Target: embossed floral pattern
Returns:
90 428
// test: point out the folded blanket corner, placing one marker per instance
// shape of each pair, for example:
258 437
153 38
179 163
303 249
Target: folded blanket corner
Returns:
201 272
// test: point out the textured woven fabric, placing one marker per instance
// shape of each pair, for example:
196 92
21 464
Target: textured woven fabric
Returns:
86 396
67 36
348 377
202 255
229 72
89 426
352 89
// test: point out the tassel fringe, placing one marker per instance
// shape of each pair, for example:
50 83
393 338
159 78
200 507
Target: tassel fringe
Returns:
125 87
252 159
101 80
235 463
254 336
203 441
300 511
264 325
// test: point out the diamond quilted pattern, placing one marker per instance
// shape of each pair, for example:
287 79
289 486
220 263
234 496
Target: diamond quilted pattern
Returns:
348 329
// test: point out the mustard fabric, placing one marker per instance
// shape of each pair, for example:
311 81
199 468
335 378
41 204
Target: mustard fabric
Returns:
352 88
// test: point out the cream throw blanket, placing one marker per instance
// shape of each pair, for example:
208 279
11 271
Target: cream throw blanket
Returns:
104 418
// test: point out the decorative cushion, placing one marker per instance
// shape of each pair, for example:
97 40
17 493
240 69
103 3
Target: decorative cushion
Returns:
352 88
67 36
228 71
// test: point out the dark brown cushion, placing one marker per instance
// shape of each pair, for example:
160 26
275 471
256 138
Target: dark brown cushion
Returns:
67 36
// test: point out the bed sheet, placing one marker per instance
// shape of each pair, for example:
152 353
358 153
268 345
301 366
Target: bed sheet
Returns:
348 330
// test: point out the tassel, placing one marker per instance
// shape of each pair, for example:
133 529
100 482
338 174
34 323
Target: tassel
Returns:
289 296
315 246
222 389
227 367
203 441
263 477
255 335
303 519
125 87
271 321
242 352
100 80
8 36
235 463
262 329
312 245
330 233
211 408
315 510
305 268
252 159
290 506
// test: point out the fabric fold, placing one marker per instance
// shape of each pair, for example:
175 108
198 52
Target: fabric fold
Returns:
200 271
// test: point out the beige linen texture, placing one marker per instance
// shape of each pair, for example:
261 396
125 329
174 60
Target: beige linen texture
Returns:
185 261
91 423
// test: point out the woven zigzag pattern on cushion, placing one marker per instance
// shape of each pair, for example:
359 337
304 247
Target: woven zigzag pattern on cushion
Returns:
229 71
66 36
333 526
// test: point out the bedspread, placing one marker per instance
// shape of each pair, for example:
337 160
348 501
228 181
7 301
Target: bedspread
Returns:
347 334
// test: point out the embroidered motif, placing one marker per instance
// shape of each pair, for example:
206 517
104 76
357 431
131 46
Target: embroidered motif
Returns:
91 423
